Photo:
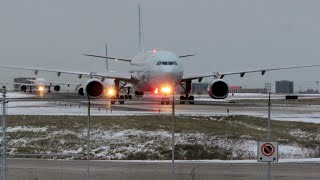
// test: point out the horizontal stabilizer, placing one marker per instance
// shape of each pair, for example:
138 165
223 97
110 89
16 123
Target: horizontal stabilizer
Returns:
105 57
188 55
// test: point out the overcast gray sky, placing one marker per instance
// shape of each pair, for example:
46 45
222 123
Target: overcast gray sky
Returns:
226 35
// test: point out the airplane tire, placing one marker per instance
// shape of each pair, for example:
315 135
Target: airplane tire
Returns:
121 97
182 99
191 99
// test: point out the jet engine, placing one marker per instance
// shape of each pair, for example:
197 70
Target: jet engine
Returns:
138 94
94 88
57 88
218 89
80 91
23 88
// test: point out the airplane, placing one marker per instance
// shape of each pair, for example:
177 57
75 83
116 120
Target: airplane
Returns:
155 71
108 84
40 85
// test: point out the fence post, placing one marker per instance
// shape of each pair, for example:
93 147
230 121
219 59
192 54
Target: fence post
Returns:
4 135
269 133
88 140
173 175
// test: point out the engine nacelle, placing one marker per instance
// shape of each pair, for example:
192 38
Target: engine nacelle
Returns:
138 94
23 88
80 91
94 89
57 88
218 89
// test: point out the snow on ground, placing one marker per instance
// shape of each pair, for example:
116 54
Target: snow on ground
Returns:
243 96
26 128
118 144
54 108
19 95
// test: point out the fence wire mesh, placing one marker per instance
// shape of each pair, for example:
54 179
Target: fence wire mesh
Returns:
47 138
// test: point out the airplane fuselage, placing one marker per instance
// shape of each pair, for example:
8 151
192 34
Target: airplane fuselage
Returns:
39 82
154 69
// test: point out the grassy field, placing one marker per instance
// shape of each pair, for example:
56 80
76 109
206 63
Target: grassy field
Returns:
149 137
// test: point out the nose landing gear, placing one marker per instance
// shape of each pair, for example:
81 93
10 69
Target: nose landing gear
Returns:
165 100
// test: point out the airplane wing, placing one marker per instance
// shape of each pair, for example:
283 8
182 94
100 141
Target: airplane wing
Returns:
53 83
13 83
106 57
127 60
187 55
126 77
241 73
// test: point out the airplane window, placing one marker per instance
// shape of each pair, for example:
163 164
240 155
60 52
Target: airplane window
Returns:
170 62
164 63
159 62
175 63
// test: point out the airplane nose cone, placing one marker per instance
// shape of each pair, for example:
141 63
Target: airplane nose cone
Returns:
168 76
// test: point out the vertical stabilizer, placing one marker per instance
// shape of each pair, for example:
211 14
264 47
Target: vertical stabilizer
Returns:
107 60
141 39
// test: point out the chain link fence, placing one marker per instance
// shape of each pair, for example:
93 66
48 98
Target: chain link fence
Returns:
47 138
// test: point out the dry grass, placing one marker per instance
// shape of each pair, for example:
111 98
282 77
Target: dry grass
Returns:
232 127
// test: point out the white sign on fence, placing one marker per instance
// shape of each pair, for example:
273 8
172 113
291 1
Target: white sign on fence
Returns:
267 152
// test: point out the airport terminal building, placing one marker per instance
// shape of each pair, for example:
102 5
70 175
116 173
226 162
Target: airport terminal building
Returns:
284 86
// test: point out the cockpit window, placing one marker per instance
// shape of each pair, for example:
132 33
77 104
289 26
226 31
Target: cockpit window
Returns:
167 63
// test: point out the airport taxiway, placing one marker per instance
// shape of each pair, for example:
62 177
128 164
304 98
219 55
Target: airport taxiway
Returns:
66 104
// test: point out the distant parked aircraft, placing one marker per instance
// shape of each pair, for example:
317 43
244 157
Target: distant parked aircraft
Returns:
41 85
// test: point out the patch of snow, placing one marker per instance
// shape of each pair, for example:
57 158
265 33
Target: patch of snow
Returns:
292 152
19 95
26 128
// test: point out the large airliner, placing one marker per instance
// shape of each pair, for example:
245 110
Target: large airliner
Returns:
156 71
40 85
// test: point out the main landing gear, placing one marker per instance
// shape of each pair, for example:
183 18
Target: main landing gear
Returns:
187 98
119 97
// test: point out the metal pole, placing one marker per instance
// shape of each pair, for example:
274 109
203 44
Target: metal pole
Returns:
173 175
269 133
88 141
269 118
4 135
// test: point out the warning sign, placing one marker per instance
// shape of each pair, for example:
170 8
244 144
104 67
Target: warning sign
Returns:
267 152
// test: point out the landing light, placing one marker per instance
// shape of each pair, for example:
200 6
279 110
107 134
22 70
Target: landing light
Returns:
154 50
41 88
156 91
166 90
110 92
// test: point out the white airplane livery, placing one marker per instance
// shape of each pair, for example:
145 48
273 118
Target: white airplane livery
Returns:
155 71
39 85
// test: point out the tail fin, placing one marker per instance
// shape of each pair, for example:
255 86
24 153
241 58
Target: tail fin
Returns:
107 60
141 38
